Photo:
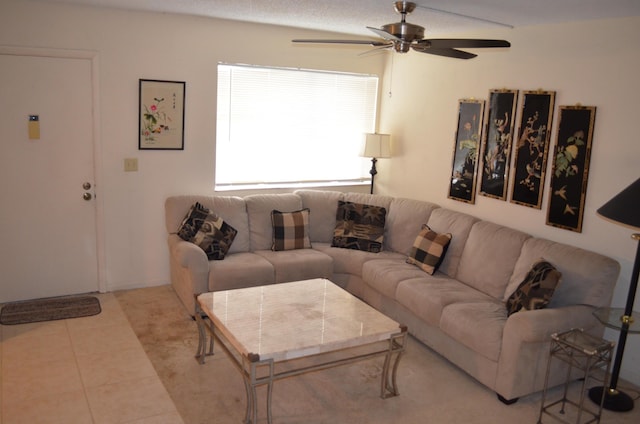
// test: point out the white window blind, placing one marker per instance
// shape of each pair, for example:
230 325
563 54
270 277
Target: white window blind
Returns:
279 125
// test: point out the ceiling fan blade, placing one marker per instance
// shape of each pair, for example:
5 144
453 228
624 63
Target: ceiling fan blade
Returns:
469 43
456 54
384 34
374 43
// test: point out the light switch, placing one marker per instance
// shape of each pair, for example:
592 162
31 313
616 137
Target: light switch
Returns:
34 127
131 165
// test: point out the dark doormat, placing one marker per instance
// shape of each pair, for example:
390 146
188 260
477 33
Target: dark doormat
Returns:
49 309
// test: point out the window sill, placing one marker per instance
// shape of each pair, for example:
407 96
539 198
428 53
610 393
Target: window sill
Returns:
291 185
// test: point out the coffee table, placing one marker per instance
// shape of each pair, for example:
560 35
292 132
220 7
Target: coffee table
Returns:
282 330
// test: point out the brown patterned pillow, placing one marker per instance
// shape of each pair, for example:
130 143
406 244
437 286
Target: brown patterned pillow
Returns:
208 231
536 289
359 226
290 230
429 249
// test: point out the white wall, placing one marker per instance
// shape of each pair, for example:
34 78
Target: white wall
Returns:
594 63
134 45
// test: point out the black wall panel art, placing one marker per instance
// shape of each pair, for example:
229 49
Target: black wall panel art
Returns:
531 149
571 167
466 150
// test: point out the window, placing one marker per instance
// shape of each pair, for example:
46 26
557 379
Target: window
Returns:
277 126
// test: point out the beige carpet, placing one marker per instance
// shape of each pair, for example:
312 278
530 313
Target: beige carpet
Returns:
431 389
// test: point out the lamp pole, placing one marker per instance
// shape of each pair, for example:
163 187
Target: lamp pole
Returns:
373 172
614 399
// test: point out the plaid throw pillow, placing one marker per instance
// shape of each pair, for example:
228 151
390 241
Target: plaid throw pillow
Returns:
359 226
290 230
429 249
208 231
536 289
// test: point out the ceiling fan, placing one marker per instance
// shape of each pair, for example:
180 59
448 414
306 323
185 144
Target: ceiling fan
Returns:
403 36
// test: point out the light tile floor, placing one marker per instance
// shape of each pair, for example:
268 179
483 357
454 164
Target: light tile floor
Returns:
88 370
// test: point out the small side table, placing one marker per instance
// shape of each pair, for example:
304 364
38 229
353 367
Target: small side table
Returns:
584 352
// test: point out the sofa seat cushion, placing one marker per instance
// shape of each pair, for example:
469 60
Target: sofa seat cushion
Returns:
349 261
301 264
427 296
384 275
243 269
477 325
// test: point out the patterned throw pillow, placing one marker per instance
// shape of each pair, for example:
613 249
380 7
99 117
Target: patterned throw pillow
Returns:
290 230
208 231
429 249
359 226
536 289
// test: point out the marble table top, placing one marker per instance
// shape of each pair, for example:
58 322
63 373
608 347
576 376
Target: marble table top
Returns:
292 320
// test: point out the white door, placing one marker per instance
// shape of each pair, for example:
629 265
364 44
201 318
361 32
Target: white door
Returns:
48 229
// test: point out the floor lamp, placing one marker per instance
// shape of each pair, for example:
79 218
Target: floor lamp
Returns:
376 146
623 209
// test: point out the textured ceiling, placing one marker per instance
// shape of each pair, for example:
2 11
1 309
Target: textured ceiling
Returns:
351 17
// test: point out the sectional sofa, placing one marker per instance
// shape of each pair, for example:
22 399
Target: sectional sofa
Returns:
459 311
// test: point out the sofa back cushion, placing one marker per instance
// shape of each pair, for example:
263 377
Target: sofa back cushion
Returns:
444 221
231 209
405 218
322 217
588 278
259 207
489 257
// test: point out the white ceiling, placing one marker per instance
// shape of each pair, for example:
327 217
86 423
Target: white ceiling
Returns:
351 17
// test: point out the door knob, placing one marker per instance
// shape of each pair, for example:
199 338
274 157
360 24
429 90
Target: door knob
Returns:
87 196
86 185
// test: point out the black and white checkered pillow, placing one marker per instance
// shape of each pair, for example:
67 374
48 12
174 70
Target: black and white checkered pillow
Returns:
290 230
429 249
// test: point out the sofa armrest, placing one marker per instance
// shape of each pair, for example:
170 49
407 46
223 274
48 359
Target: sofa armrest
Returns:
525 347
188 255
540 324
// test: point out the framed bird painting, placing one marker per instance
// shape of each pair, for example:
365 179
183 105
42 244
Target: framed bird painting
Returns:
571 167
531 148
161 115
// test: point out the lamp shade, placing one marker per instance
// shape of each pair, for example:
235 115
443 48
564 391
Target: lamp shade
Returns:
624 208
377 146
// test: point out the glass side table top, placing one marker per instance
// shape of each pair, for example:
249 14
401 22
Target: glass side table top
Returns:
612 318
583 342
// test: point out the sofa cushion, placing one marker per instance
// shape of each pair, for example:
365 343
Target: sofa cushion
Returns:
208 231
384 275
290 230
243 269
428 295
349 261
259 207
404 220
444 221
489 256
536 289
299 264
359 226
477 325
429 249
231 208
322 220
588 278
